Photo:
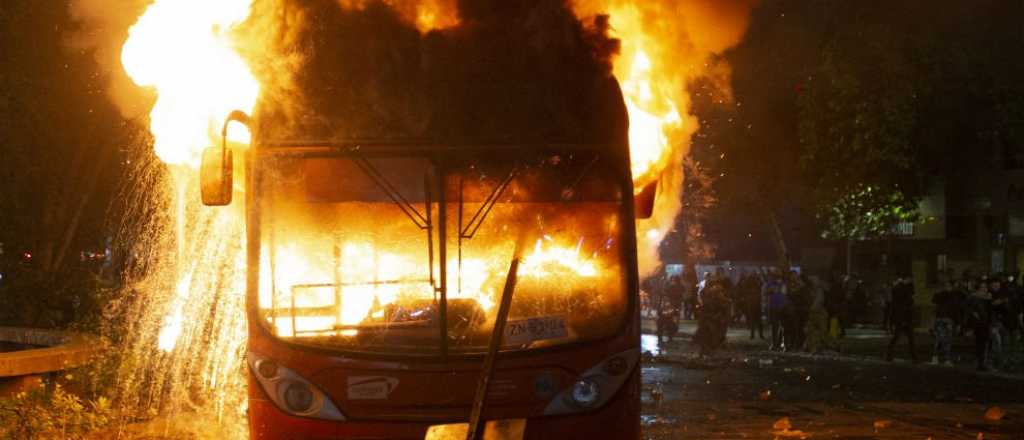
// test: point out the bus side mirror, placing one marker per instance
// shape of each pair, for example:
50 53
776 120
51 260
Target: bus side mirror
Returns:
643 203
215 176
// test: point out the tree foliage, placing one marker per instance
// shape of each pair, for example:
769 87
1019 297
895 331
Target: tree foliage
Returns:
832 97
866 212
889 101
858 115
51 412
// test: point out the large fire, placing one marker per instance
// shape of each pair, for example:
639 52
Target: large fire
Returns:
653 111
199 78
188 53
375 278
185 52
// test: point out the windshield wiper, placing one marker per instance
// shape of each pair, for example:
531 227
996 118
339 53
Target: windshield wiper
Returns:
570 191
476 419
407 208
478 218
468 230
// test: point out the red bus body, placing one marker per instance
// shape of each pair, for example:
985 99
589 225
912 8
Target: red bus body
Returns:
425 391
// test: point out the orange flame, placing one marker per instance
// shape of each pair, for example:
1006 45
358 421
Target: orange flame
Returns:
294 276
184 51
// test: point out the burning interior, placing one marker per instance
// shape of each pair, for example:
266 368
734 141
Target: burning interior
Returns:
353 243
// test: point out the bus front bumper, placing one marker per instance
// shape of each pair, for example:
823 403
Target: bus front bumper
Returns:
616 420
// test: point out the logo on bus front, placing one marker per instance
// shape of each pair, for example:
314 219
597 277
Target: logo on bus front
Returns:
370 387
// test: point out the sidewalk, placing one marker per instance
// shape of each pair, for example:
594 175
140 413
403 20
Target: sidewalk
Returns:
859 344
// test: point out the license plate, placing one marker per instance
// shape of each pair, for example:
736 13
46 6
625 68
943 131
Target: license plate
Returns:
525 331
508 429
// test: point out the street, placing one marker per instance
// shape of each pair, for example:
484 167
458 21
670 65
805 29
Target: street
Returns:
747 392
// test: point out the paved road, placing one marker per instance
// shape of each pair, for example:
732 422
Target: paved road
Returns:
746 392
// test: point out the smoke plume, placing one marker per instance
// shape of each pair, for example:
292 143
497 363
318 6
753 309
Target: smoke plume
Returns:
104 30
482 70
469 70
507 71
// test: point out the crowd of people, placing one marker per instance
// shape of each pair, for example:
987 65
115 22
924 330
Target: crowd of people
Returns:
807 313
991 308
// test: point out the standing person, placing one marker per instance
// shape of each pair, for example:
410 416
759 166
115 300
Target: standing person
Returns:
1017 300
887 306
846 306
965 288
725 282
752 304
690 282
1000 316
817 330
668 318
834 300
647 299
859 302
652 286
979 317
947 309
703 284
777 305
712 320
902 316
800 300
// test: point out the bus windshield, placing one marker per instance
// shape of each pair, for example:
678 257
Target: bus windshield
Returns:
353 245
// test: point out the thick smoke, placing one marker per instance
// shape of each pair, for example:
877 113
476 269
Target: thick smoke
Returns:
525 71
103 30
463 70
493 71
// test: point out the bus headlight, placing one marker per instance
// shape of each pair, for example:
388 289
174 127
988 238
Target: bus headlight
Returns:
266 368
298 397
291 392
585 392
596 386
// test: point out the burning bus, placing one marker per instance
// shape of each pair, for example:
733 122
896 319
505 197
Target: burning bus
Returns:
429 290
439 216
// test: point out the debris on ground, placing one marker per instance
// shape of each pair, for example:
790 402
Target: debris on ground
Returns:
782 424
994 414
791 434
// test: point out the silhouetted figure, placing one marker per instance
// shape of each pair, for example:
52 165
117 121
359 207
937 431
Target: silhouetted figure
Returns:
902 316
777 305
947 307
835 303
979 316
690 300
800 301
671 306
750 291
712 320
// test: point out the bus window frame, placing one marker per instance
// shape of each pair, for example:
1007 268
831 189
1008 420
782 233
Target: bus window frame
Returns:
299 149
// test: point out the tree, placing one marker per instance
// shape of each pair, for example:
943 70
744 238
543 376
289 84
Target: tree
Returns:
833 97
698 200
865 213
892 102
748 140
856 132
